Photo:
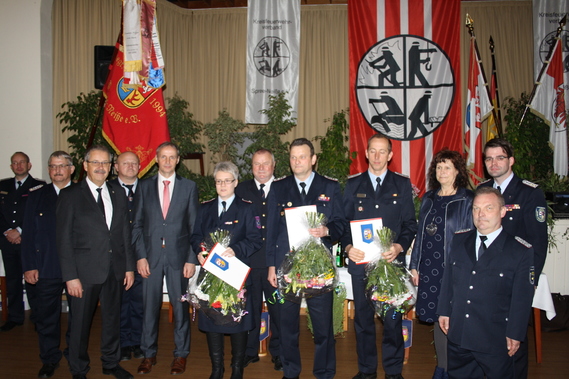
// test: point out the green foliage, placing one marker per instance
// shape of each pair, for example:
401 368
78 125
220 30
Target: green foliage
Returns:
280 122
334 159
184 130
224 137
78 117
337 311
206 185
534 157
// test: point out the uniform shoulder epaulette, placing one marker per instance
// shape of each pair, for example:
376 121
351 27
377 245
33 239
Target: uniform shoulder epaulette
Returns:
36 188
462 231
486 181
331 178
281 178
523 242
246 201
208 201
529 184
400 174
355 175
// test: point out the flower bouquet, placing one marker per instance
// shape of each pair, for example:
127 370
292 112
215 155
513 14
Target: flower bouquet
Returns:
219 301
388 283
308 270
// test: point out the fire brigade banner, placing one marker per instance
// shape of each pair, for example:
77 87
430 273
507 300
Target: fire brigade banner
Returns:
273 49
404 80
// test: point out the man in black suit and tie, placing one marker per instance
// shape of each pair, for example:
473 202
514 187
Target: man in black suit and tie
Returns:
304 187
40 262
166 206
96 257
378 193
13 197
486 292
257 191
127 167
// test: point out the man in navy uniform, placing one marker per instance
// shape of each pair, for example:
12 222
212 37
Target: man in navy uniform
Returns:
526 215
40 262
13 196
257 191
378 193
486 292
127 167
304 187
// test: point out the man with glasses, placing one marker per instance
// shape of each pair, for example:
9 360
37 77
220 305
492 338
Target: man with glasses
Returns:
13 196
165 212
526 215
93 244
40 262
127 167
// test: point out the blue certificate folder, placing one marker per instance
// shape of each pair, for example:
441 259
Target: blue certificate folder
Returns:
407 327
265 323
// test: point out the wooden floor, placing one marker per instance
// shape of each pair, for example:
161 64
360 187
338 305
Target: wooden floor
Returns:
19 355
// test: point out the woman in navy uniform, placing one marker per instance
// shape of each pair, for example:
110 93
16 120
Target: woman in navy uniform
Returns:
231 213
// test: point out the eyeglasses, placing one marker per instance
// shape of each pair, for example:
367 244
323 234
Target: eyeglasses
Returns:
226 182
97 163
276 297
58 166
499 158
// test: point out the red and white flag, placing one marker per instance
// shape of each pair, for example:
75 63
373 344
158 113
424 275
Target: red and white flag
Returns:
478 108
404 80
549 102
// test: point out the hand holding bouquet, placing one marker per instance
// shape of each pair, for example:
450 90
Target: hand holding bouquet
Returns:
388 284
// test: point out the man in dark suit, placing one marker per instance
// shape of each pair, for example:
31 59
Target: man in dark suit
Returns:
93 243
378 193
486 292
127 167
40 262
13 197
304 187
526 215
161 236
257 191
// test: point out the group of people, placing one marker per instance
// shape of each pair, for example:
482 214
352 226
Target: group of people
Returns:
475 259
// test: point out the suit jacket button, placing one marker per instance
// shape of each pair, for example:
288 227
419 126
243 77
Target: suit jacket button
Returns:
473 272
467 301
467 315
471 287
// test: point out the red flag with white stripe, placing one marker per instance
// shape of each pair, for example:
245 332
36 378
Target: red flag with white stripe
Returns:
478 107
404 69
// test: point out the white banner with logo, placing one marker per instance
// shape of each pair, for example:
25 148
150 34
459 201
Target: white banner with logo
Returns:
546 17
273 50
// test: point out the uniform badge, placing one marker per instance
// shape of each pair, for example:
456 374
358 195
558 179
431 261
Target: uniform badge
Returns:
511 207
367 233
361 195
323 197
258 222
289 204
540 214
532 275
360 209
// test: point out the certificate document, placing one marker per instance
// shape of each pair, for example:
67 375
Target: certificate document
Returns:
229 269
363 234
297 224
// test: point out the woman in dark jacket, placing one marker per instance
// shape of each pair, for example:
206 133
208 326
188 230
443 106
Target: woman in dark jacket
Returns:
231 213
446 208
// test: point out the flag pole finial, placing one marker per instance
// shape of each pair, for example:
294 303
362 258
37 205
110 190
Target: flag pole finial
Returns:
470 24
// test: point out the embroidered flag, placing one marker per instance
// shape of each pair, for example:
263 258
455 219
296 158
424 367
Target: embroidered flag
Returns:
404 67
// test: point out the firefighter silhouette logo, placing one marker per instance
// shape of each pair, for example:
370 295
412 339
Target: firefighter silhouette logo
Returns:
405 87
271 56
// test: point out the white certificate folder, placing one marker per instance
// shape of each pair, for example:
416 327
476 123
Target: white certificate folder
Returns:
363 234
229 269
297 224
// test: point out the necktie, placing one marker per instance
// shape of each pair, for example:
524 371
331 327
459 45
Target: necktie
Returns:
100 200
499 189
482 247
303 192
130 195
166 199
19 184
223 204
262 191
377 186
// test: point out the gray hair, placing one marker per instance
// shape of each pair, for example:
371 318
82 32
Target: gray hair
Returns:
486 190
98 148
61 154
229 167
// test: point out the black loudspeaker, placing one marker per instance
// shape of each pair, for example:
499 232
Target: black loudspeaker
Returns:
103 58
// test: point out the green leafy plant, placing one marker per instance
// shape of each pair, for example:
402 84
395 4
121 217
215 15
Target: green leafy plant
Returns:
280 122
334 159
184 130
337 311
224 135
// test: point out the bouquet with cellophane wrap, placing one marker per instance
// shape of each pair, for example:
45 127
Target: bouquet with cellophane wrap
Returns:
388 283
219 301
309 269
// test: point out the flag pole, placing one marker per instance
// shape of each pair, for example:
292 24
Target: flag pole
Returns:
543 67
496 108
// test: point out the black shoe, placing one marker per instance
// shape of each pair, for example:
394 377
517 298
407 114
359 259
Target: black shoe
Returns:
118 372
396 376
9 325
79 376
126 353
250 359
284 377
363 375
47 370
137 352
277 362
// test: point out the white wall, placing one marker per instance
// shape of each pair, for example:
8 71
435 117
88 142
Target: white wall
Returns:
25 79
